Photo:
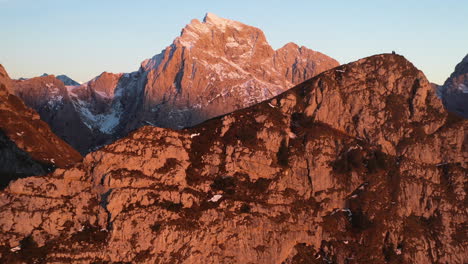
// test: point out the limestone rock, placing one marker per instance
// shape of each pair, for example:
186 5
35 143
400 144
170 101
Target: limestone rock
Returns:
215 67
359 164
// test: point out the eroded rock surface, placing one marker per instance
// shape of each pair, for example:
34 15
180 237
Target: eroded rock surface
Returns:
360 164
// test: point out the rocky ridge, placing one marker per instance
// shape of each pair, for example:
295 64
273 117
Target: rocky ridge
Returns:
27 145
454 92
360 164
215 67
67 80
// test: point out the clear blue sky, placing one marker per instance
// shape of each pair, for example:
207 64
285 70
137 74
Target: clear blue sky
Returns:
82 38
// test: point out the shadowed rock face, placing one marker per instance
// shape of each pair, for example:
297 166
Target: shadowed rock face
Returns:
455 89
57 105
67 80
215 67
360 164
27 145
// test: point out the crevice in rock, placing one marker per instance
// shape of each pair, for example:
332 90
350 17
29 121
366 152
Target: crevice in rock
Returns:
414 89
104 202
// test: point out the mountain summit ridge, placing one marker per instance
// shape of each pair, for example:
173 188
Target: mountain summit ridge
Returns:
213 68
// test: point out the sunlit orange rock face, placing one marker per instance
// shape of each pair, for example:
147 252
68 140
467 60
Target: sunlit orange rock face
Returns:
27 145
360 164
220 65
213 68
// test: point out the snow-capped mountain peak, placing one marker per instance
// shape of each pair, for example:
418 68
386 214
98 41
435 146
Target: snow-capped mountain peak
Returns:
214 67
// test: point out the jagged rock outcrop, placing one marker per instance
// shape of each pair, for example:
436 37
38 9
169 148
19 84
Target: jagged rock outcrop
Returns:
360 164
220 65
454 92
27 145
213 68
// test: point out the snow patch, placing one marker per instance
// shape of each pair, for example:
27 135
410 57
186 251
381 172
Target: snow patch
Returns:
17 248
463 88
215 198
232 44
102 94
347 211
292 135
221 23
105 122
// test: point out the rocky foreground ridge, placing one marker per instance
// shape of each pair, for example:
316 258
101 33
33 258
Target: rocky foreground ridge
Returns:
360 164
214 67
27 145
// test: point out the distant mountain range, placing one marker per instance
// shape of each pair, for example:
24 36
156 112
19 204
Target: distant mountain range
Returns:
213 68
27 145
65 79
454 92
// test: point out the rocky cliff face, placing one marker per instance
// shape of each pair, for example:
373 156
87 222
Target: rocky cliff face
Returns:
219 65
27 145
57 105
213 68
360 164
454 92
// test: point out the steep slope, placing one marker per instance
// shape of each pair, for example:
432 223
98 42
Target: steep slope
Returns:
213 68
67 80
360 164
220 65
27 145
56 104
455 89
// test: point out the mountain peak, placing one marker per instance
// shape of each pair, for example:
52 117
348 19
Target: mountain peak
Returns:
67 80
3 71
210 16
4 78
454 92
214 67
210 23
213 19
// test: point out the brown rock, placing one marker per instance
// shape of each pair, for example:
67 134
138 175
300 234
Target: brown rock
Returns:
218 66
288 180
